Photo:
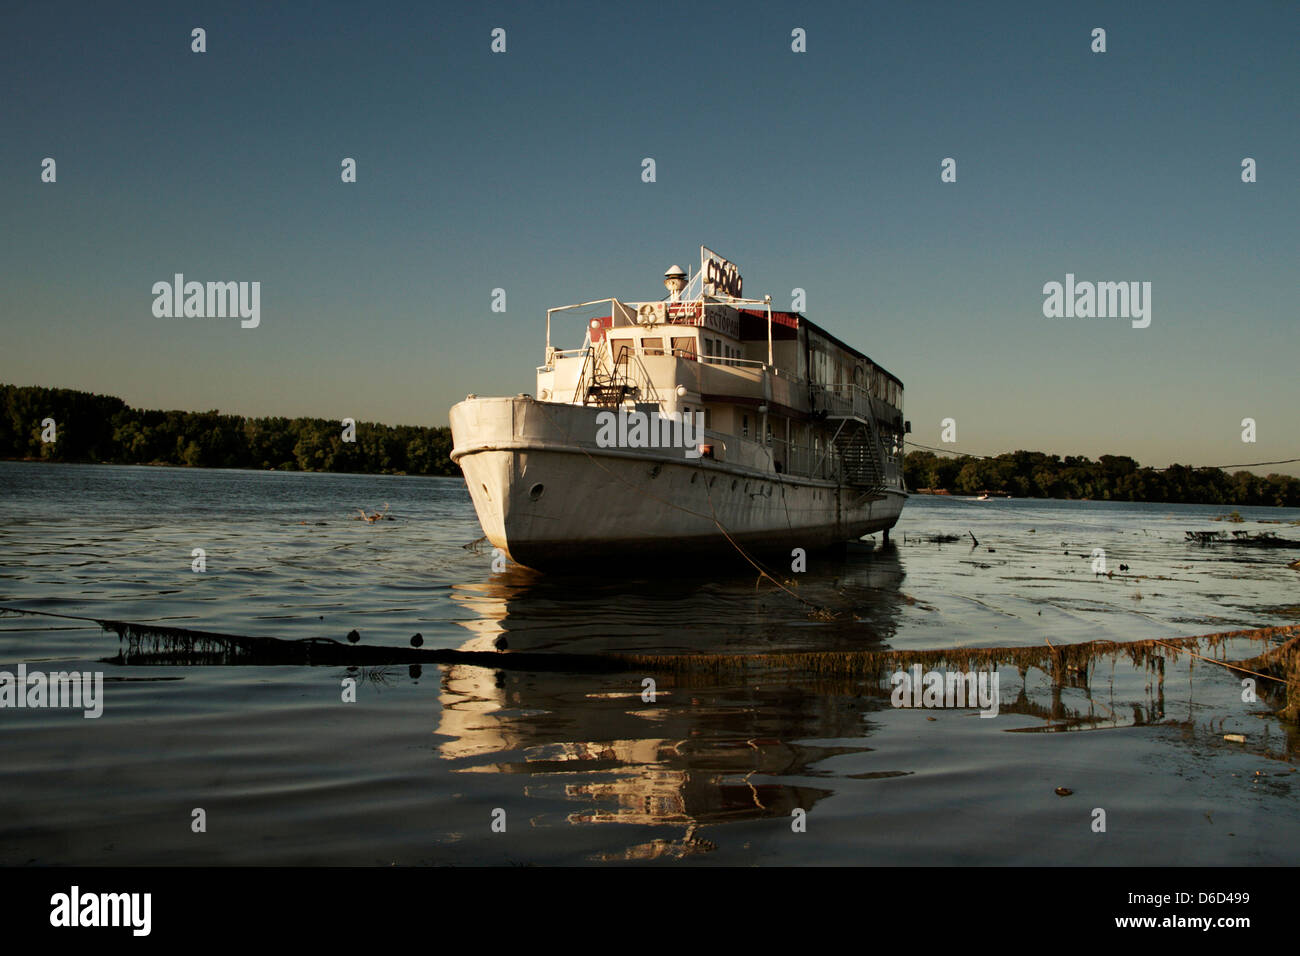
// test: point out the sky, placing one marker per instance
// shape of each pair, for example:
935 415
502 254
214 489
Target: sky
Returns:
522 170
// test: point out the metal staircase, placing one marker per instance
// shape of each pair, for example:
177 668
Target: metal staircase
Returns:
609 383
602 382
860 456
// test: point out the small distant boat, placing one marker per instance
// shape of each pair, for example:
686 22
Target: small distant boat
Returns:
984 498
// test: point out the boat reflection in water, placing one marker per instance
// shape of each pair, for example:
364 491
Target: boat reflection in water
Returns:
704 750
723 745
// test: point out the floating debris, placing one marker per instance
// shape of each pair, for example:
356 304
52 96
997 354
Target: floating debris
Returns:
374 516
1258 539
1063 791
1067 664
1235 738
1233 516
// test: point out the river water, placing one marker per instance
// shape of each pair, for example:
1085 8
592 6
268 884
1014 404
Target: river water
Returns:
459 764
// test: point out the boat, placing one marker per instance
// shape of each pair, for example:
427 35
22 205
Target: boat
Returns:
701 424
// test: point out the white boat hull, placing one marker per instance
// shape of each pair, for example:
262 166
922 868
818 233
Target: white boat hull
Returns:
548 496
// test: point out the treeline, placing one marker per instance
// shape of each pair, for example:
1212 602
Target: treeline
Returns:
101 428
1031 474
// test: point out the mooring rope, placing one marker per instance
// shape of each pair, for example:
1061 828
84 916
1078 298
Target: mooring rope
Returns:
1226 664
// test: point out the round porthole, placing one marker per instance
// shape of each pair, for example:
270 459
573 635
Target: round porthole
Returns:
536 491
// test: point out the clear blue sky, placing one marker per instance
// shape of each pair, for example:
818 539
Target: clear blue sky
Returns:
523 171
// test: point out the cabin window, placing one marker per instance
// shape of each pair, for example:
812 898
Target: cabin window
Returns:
744 426
653 346
684 347
620 348
821 368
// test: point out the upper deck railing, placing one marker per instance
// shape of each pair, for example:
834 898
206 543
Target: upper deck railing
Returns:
682 311
714 360
839 399
847 400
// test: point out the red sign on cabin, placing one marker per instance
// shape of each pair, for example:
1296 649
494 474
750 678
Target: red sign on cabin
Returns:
598 326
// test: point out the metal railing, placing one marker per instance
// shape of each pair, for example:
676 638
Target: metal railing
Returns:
844 399
733 362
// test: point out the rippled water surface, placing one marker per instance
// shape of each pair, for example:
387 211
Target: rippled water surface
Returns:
580 765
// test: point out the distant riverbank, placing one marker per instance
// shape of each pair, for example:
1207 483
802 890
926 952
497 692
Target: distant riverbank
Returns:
74 427
1033 474
63 425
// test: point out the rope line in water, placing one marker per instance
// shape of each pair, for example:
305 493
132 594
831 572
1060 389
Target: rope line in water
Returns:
1226 664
